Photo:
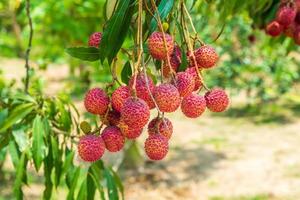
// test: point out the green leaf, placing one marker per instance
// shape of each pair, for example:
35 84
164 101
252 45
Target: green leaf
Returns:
14 154
111 186
18 113
38 143
21 139
116 30
48 167
118 181
20 172
96 174
82 194
73 184
164 9
84 53
91 189
57 157
126 72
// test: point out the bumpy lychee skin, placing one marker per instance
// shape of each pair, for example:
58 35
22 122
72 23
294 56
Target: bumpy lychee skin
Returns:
286 15
135 113
96 101
91 148
142 90
206 56
216 100
167 97
185 83
113 138
129 132
193 71
157 47
95 39
175 61
193 105
113 118
119 96
274 29
156 147
160 126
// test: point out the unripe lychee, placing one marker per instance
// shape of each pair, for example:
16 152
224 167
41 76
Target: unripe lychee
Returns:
185 83
113 138
274 29
216 100
193 105
175 61
167 97
96 101
193 71
91 148
142 91
286 15
156 147
160 126
95 39
129 132
206 56
157 47
113 118
119 96
135 113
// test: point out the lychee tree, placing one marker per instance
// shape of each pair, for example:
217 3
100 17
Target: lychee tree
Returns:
159 61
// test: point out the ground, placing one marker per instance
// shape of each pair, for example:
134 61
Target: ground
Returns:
233 156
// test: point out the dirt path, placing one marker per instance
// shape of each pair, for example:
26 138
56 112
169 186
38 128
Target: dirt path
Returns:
214 157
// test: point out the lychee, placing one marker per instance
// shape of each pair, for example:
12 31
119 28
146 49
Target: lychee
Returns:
290 30
96 101
216 100
91 148
157 47
135 113
167 97
113 138
129 132
286 15
119 96
175 61
156 147
95 39
274 29
160 126
206 56
112 118
193 71
193 105
185 83
142 90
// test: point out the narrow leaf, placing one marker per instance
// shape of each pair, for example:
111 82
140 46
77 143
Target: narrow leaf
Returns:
84 53
126 72
164 8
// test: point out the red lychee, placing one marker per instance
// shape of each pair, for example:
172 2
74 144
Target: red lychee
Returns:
112 118
91 148
96 101
142 90
175 61
193 105
167 97
119 96
216 100
95 39
290 30
160 126
113 138
135 113
157 47
206 56
156 147
185 83
193 71
129 132
286 15
274 29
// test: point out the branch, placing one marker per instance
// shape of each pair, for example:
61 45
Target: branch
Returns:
27 67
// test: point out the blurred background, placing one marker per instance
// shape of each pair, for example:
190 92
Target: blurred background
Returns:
250 152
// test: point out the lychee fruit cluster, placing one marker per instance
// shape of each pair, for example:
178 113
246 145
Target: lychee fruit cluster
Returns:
125 111
287 21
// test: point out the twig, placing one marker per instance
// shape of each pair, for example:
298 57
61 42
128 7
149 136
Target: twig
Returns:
29 46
